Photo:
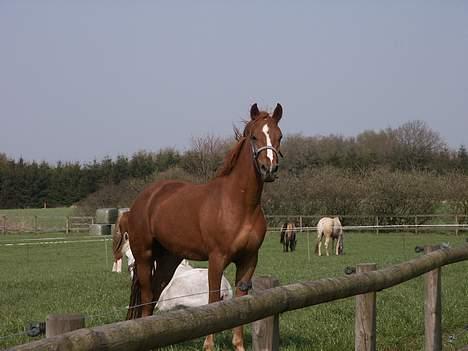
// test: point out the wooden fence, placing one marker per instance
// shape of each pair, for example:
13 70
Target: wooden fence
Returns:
415 223
44 224
176 326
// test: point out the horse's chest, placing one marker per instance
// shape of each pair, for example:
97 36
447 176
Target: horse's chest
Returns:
249 239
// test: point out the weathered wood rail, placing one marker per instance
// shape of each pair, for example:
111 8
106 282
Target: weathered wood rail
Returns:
177 326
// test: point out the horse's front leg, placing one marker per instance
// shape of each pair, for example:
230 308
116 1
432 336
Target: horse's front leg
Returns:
216 265
244 271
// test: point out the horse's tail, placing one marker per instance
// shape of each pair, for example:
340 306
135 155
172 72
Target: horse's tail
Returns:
134 308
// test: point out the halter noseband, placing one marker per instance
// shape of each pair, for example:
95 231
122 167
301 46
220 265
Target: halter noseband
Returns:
256 152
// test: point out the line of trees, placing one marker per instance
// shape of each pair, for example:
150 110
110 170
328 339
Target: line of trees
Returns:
320 174
31 184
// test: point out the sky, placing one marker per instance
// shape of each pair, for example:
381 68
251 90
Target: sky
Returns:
84 80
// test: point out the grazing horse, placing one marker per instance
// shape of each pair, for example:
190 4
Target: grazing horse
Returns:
330 228
120 245
288 236
221 221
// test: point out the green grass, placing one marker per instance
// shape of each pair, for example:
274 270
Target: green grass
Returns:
39 279
53 212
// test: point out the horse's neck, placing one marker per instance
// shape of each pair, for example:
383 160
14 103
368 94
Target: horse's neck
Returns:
245 180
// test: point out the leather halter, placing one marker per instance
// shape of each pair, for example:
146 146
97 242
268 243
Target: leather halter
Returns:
256 152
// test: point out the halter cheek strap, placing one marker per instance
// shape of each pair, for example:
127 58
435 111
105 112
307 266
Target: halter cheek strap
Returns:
256 151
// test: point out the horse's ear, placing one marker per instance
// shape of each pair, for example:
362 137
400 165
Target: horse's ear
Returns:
254 112
278 113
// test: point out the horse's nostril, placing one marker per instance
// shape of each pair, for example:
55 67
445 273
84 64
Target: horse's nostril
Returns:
274 169
263 168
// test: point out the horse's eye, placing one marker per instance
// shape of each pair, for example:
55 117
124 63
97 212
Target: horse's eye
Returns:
254 138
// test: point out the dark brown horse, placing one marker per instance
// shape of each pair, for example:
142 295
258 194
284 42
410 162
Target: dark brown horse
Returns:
221 221
288 236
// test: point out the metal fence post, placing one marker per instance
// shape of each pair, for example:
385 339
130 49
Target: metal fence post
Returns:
377 225
416 223
456 222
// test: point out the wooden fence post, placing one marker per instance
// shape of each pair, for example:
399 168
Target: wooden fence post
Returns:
4 224
67 225
432 307
456 222
35 224
416 224
365 320
377 225
265 332
57 324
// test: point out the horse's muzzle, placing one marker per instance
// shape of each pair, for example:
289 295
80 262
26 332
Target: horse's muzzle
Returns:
268 174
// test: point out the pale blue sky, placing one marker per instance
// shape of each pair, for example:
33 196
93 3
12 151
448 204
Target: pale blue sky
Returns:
85 79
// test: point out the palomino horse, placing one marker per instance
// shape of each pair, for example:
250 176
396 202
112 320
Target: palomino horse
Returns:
288 236
330 228
221 221
120 245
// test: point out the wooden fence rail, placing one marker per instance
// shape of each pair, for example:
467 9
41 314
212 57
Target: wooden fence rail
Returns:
176 326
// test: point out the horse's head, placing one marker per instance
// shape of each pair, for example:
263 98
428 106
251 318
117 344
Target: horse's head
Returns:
265 136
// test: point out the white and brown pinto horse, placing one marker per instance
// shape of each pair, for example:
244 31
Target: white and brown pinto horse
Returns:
189 288
120 244
330 228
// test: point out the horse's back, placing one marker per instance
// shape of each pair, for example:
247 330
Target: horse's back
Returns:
324 225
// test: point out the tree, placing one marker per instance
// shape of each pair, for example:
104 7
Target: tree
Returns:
205 156
416 145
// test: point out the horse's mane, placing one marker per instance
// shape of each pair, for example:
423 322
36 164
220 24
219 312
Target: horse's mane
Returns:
232 156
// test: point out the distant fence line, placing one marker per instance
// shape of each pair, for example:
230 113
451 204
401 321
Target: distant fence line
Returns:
73 224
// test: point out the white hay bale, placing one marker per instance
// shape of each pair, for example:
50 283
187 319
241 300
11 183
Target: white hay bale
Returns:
106 215
123 210
100 229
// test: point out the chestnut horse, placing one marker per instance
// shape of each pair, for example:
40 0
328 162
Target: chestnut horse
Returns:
221 221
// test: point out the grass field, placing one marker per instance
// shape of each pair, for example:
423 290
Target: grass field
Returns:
37 279
49 212
34 219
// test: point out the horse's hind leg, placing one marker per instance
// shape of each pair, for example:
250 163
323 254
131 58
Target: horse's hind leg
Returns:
166 265
144 274
327 241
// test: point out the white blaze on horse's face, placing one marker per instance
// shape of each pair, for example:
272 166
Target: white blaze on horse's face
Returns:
265 130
